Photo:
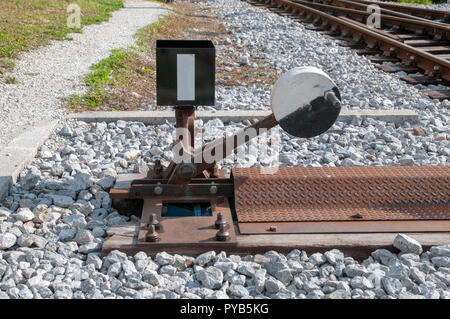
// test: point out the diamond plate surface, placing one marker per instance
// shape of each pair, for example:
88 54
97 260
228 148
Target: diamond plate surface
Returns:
296 194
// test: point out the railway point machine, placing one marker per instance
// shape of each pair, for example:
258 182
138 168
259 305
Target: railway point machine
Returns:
191 206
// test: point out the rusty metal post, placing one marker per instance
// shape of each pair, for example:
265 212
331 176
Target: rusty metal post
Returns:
185 117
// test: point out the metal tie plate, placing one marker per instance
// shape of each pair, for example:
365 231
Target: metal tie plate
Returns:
330 194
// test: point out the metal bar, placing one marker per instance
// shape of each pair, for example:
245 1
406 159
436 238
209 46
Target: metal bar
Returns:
411 9
391 12
345 227
228 144
389 20
176 190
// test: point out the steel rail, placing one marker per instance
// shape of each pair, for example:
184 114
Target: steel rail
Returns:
412 10
362 6
422 59
429 27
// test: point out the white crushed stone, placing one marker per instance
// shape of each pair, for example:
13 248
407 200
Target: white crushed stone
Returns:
56 252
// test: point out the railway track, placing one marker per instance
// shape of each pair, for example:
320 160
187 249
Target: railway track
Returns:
429 14
402 43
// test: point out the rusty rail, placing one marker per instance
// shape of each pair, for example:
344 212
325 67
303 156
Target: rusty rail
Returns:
411 55
412 10
437 30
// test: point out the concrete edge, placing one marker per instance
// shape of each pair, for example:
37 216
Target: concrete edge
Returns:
20 152
160 117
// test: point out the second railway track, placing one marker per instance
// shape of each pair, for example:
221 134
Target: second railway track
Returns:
402 43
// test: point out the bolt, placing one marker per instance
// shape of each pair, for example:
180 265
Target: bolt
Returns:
307 107
213 189
358 215
152 235
273 228
220 221
187 170
153 221
331 97
222 234
158 190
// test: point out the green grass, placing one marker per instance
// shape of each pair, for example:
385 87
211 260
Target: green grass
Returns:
102 70
115 70
99 77
27 24
422 2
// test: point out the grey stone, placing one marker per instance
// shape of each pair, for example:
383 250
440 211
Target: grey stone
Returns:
317 259
361 283
106 182
168 270
152 277
280 271
247 268
62 201
7 240
400 272
238 291
205 258
275 256
4 212
94 260
407 244
273 285
90 247
67 234
353 270
436 251
339 294
164 258
24 214
226 265
383 256
30 181
392 286
259 279
83 237
210 277
260 259
25 240
98 232
334 257
441 261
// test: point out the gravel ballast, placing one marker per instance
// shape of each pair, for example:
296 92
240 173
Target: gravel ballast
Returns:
49 73
53 225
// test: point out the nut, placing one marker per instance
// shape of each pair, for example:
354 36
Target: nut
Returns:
222 234
158 190
153 221
220 221
152 235
213 189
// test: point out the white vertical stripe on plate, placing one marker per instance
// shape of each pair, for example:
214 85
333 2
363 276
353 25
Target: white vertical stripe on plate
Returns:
185 77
